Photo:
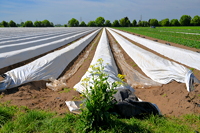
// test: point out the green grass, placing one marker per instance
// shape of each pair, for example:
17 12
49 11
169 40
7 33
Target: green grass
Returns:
15 119
183 27
177 35
66 90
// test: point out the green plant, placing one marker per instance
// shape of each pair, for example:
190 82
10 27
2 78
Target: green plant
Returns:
134 65
164 95
77 98
99 97
65 90
192 69
1 96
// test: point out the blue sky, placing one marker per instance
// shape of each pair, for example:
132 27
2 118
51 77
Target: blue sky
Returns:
60 11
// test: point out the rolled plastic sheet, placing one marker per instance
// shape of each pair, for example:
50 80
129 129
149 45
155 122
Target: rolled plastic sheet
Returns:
47 67
158 69
184 56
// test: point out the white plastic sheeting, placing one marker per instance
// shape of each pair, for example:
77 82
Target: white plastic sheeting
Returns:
15 56
103 51
186 57
13 34
41 35
133 77
59 84
29 37
27 44
47 67
158 69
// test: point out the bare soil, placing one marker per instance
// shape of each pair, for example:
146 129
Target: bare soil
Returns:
172 99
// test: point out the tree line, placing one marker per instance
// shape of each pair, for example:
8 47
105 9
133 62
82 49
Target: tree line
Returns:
44 23
185 20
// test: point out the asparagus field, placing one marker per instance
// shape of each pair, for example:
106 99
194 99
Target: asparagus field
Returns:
45 68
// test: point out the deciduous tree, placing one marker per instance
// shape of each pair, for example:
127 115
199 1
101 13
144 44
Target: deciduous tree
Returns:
107 23
46 23
185 20
116 23
4 24
99 21
195 20
12 24
83 24
143 24
153 22
28 24
38 24
174 22
91 24
73 23
134 23
165 22
125 22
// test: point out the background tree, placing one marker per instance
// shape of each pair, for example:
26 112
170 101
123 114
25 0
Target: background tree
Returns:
46 23
83 24
125 22
60 25
99 21
122 22
165 22
28 24
73 23
115 23
51 24
159 23
128 22
22 24
91 24
18 25
153 22
143 24
134 23
107 23
4 24
174 22
185 20
149 21
12 24
38 24
195 20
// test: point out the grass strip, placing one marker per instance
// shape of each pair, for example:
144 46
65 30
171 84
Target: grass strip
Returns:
15 119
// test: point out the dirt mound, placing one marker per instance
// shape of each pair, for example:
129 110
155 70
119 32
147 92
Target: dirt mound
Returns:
173 98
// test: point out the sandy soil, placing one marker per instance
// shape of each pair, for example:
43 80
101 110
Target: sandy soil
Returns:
172 99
